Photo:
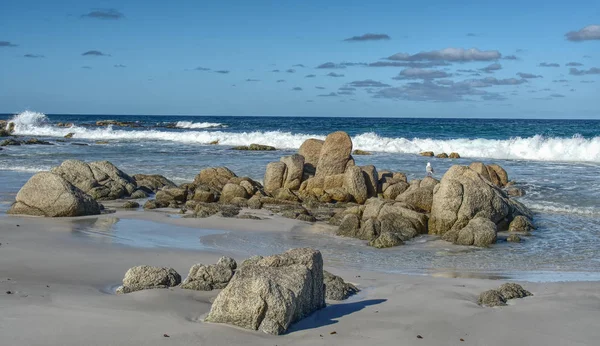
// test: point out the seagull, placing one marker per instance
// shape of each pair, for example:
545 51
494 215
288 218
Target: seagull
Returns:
429 169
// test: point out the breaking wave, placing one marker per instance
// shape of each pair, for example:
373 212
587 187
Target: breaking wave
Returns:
192 125
538 148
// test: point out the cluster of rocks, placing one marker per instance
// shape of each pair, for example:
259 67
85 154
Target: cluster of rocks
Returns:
74 187
31 141
499 296
452 155
6 128
64 124
263 293
117 123
253 147
469 206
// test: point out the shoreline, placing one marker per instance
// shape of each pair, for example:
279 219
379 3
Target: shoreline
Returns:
59 297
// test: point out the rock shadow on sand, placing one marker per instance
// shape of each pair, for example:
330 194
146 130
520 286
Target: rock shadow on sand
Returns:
330 314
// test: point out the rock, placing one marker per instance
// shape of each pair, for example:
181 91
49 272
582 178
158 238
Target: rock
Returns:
147 277
515 192
427 153
350 226
454 155
294 171
211 277
100 179
311 151
69 135
215 142
273 292
275 176
205 194
214 177
479 232
501 174
254 203
35 141
521 224
335 154
442 156
205 210
513 291
261 147
229 210
130 205
385 240
355 184
48 194
230 191
306 218
137 194
333 181
393 191
419 194
8 142
462 195
337 194
491 298
513 238
239 202
285 195
172 194
152 204
371 179
336 288
152 182
360 152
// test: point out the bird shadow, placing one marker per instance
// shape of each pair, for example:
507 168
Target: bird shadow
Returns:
330 314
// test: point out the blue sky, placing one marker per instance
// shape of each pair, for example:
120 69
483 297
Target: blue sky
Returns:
465 59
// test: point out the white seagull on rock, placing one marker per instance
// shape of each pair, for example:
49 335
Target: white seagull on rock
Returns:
429 169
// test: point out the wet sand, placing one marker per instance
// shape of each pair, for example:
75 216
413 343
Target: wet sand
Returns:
61 285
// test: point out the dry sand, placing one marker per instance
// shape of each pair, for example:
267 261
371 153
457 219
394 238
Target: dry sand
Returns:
60 296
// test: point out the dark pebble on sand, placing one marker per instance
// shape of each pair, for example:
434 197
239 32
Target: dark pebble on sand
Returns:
462 339
166 335
332 333
419 337
9 292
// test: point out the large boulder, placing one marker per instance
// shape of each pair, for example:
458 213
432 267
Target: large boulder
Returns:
215 177
172 194
271 293
100 179
294 171
419 194
311 151
148 277
152 182
207 278
354 182
231 191
48 194
463 195
371 179
335 154
274 176
493 173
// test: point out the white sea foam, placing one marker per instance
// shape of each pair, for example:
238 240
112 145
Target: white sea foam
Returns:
539 148
29 169
192 125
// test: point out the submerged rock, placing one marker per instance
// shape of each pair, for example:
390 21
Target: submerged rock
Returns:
360 152
271 293
48 194
146 277
336 288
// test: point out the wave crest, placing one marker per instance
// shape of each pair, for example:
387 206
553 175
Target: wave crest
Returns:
192 125
537 148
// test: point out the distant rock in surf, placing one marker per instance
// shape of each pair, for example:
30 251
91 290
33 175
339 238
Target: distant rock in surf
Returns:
254 147
427 153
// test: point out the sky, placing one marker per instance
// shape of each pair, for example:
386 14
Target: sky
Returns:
438 58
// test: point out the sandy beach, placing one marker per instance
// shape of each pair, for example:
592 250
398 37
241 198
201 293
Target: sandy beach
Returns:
61 293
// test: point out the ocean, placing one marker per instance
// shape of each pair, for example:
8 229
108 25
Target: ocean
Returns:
557 163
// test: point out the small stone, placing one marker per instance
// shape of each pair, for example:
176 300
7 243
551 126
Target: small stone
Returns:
9 292
461 339
166 335
419 337
333 333
513 238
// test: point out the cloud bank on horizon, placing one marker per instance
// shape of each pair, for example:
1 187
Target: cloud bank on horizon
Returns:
199 53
